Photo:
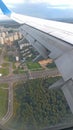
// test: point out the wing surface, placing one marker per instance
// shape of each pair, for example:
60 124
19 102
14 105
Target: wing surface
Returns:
50 38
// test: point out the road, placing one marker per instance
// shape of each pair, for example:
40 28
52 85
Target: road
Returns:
10 105
12 78
2 56
31 75
44 73
21 77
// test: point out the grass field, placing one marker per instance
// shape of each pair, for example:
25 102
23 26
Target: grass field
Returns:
3 85
33 66
4 71
19 71
14 66
9 58
6 58
3 99
5 65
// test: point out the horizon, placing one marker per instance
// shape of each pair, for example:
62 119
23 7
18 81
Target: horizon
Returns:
47 9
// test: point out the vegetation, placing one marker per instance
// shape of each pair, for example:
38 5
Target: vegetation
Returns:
36 106
0 51
5 65
3 99
9 58
10 31
51 65
14 66
4 85
6 58
33 66
19 71
4 71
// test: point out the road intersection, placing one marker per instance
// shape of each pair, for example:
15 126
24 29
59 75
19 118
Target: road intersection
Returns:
13 78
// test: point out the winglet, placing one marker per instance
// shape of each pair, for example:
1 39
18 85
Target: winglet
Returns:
4 8
9 13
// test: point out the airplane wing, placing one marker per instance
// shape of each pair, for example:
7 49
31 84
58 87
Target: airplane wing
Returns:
50 38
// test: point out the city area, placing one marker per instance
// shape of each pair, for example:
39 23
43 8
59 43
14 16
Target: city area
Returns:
26 100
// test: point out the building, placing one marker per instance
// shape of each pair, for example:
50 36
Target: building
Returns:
8 35
2 40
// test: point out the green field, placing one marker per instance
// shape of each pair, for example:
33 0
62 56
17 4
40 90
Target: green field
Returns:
6 58
33 66
3 99
14 66
5 65
19 71
9 58
3 85
4 71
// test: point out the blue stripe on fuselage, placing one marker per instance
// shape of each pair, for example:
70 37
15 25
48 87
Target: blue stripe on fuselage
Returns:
4 8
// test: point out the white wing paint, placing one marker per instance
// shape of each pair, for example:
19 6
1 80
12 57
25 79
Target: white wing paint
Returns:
57 37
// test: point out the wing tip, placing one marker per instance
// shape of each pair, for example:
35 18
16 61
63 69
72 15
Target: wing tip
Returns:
4 8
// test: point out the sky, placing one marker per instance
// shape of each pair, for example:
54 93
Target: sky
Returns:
52 3
48 9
